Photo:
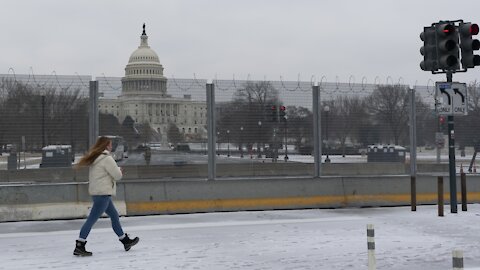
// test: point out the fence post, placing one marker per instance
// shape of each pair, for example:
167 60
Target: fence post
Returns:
440 195
93 114
463 181
413 150
457 258
413 193
372 263
211 130
317 144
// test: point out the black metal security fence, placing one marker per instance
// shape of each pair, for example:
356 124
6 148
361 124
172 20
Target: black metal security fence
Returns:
233 128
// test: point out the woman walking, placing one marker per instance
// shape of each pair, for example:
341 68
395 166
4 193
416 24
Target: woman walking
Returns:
102 177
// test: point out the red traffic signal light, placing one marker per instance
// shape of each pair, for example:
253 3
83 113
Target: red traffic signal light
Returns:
447 46
468 45
441 119
473 29
447 29
283 113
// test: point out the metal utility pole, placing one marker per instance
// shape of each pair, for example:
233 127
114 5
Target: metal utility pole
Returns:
211 128
317 145
93 114
413 151
451 158
43 121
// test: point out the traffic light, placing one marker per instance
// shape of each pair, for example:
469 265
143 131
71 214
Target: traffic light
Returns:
274 113
441 122
429 49
441 119
469 45
283 112
447 46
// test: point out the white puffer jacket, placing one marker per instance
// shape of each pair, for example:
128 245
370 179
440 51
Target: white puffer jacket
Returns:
103 175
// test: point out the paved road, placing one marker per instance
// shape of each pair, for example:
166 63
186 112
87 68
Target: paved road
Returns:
333 239
171 157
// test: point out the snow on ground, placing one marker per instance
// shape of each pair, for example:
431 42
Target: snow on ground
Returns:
292 239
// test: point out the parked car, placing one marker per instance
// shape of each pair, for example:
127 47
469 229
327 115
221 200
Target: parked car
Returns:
154 145
182 148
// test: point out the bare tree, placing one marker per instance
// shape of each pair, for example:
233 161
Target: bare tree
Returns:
300 126
146 132
467 126
257 93
348 114
250 110
174 135
41 114
388 105
427 122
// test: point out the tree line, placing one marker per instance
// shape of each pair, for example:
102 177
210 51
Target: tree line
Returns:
352 121
47 115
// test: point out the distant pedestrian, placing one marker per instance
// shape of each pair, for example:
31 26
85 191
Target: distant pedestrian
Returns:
148 155
102 177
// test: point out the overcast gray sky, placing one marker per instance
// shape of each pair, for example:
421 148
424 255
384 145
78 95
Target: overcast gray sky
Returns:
344 39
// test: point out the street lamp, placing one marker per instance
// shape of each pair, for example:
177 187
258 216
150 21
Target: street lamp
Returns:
218 143
326 109
43 121
260 134
241 142
286 147
71 135
228 143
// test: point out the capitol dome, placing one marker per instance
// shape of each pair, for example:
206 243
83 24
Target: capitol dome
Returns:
144 73
144 53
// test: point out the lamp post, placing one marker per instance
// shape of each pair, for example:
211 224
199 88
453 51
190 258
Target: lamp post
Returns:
72 144
286 147
43 121
241 142
218 143
326 109
228 143
259 135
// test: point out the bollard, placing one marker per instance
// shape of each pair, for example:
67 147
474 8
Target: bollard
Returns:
457 260
372 264
413 193
463 181
440 196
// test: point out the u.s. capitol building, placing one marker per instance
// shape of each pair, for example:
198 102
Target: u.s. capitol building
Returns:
145 99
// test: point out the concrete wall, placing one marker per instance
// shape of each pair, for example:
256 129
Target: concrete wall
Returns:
153 196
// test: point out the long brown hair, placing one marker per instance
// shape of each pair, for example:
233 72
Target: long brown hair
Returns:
94 152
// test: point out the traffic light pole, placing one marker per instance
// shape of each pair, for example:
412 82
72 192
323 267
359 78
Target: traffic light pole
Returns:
442 43
451 159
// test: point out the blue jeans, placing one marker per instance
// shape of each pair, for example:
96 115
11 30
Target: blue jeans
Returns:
101 204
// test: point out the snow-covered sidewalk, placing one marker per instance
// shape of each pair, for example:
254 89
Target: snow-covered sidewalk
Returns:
294 239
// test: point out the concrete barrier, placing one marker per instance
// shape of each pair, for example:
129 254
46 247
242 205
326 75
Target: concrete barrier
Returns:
159 196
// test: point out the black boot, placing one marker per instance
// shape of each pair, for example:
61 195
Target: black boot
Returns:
129 243
80 249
